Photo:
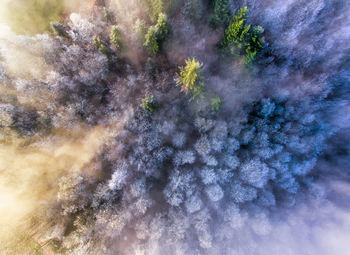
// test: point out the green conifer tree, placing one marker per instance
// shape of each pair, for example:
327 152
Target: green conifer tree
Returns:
221 14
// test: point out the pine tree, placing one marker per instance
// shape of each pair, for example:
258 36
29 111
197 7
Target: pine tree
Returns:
162 27
156 35
148 103
100 45
116 37
221 13
242 39
254 44
156 7
216 104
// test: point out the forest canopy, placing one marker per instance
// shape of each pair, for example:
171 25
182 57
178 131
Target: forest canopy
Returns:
174 127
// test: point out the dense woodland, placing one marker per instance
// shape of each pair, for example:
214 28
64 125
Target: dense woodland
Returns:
223 122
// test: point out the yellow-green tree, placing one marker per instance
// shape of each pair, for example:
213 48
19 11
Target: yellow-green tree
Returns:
190 79
237 30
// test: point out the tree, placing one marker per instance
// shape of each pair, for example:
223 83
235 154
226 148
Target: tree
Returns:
234 217
156 7
202 146
237 31
156 35
179 139
254 44
208 175
140 29
193 10
151 41
116 37
59 29
214 192
193 203
184 157
254 172
242 37
242 193
221 13
162 27
119 176
100 45
216 104
107 14
190 78
148 103
25 121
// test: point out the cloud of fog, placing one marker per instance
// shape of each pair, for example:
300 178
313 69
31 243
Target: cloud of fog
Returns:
34 16
29 175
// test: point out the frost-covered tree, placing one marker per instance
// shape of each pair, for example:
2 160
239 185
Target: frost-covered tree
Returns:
179 139
214 192
72 195
193 203
120 174
234 217
202 146
208 175
179 184
241 193
254 172
184 157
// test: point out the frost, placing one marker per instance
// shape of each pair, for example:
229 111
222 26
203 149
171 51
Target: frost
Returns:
254 172
214 192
